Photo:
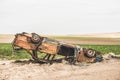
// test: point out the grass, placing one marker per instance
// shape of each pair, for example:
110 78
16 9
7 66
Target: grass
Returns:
104 49
6 51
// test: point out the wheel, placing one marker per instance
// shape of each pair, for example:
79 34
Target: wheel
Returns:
90 53
35 38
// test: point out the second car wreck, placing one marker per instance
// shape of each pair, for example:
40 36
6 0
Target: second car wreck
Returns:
33 43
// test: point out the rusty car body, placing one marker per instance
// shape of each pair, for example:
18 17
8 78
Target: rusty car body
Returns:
33 43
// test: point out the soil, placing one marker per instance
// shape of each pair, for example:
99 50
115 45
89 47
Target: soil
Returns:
8 38
95 42
109 69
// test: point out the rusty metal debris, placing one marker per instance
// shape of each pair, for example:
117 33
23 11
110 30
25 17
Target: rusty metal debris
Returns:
33 43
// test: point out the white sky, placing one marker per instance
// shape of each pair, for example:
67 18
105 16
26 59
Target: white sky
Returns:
59 17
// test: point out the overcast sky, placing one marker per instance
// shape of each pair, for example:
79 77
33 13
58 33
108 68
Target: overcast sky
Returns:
59 17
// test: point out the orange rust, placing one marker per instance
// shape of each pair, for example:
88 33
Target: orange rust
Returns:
48 47
82 58
21 41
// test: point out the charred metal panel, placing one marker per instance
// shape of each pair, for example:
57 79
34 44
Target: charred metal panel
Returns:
66 50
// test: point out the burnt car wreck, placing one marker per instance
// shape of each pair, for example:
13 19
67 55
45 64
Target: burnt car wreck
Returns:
34 43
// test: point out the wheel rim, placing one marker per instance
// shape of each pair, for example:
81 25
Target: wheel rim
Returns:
91 53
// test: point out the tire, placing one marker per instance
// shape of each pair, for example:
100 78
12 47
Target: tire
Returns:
90 53
35 38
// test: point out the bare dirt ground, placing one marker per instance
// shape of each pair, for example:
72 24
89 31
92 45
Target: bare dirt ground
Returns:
114 38
6 38
27 70
109 69
95 42
100 35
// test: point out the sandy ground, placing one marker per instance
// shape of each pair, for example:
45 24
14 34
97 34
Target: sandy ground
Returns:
8 38
95 42
100 35
26 70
